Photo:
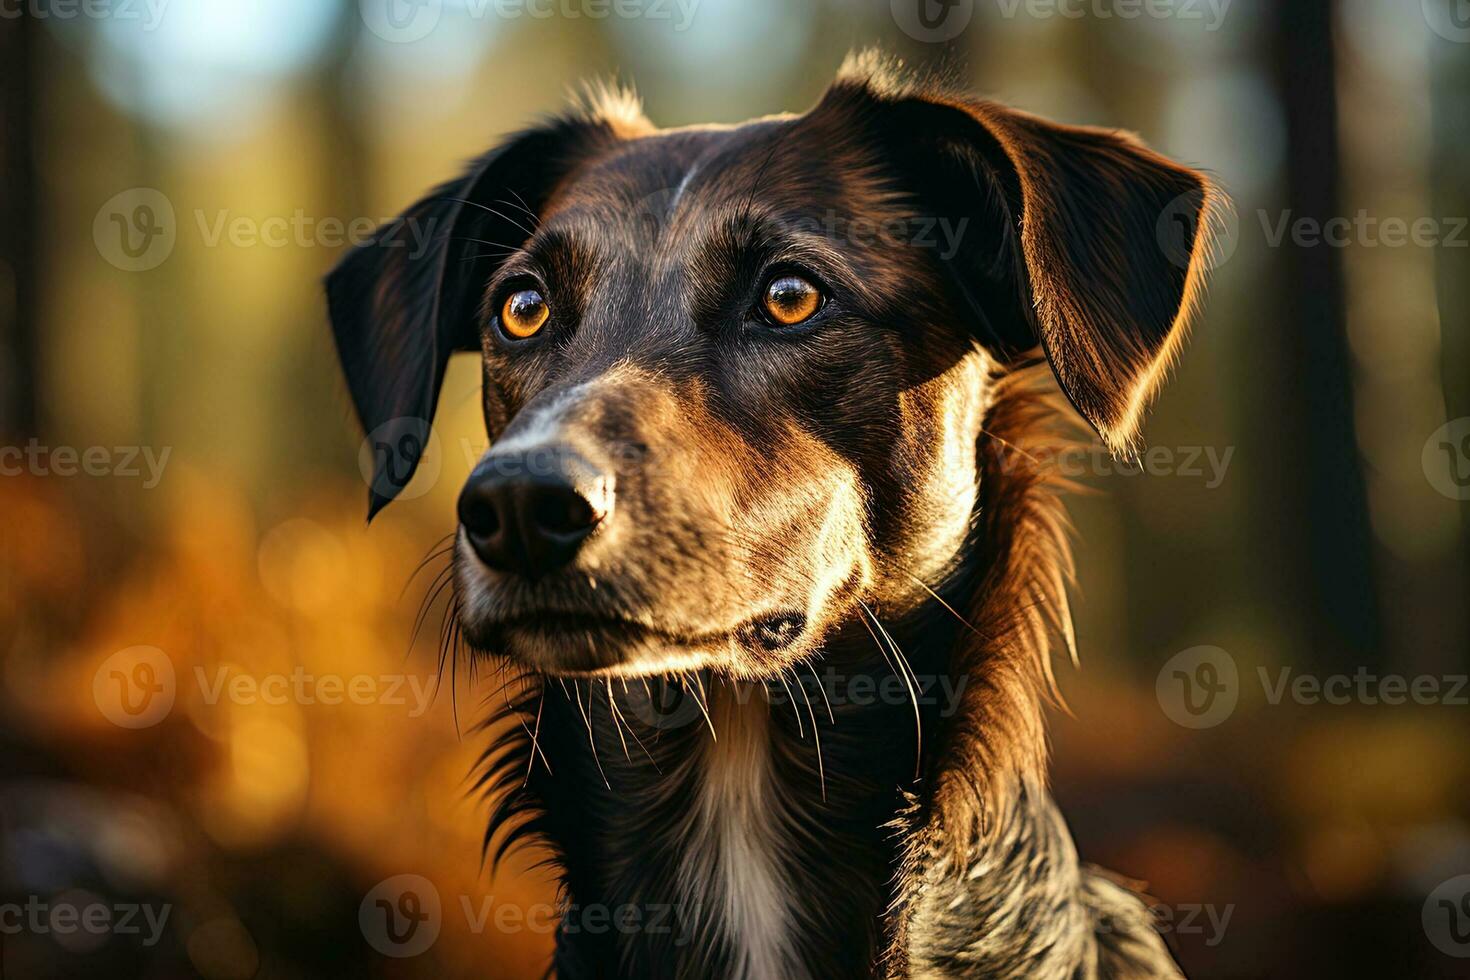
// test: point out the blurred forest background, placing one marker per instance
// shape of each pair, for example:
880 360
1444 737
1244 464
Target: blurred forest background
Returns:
175 178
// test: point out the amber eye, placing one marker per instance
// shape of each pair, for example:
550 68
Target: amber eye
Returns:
524 313
790 300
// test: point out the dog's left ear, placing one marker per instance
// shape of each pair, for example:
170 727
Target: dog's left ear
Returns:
1080 239
405 300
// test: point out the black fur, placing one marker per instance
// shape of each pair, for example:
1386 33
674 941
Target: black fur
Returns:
855 496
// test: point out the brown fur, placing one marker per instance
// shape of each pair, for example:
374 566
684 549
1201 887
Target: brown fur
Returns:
869 492
987 801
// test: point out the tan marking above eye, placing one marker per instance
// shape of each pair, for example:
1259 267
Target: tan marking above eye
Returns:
524 313
790 300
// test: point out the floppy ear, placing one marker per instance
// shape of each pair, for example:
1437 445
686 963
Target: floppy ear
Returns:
403 301
1080 239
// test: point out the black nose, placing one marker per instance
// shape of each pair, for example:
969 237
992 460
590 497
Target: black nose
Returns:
529 512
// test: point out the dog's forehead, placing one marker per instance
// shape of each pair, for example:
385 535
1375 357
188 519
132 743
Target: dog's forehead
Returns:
779 166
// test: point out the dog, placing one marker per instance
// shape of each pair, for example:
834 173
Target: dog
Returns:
766 525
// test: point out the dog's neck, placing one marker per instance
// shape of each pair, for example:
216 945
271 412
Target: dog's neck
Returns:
742 827
719 845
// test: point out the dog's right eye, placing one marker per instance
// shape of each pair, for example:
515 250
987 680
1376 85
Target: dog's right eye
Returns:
524 313
790 300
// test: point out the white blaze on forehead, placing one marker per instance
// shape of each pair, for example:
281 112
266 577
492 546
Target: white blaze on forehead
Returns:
683 186
737 843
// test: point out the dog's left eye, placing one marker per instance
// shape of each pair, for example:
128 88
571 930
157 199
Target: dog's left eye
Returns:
524 313
789 300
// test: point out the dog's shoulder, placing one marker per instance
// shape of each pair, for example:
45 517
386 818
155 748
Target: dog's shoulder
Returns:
1019 906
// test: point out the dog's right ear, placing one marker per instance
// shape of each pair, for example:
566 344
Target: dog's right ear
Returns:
406 299
1080 240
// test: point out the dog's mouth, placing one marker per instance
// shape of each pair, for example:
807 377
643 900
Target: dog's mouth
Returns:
592 644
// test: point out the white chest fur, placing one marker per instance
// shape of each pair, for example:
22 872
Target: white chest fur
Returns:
737 837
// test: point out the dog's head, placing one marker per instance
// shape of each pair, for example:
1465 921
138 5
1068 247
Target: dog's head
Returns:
734 377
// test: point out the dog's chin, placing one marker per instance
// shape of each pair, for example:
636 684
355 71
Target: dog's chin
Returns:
578 647
588 646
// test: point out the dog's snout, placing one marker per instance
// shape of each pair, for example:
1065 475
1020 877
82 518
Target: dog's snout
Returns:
528 513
